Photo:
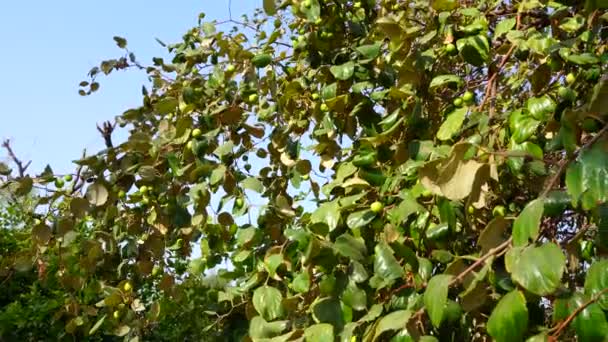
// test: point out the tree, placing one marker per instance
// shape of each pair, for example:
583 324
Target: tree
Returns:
367 170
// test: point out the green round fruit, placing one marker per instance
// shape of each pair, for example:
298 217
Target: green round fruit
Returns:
68 178
253 98
230 68
122 194
307 3
116 314
315 96
155 271
566 93
59 183
145 201
498 211
305 177
239 202
324 107
301 39
470 209
196 133
143 189
357 4
376 207
468 97
570 78
450 48
189 145
457 102
318 21
330 35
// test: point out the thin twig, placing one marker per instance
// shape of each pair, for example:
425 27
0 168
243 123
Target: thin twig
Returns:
564 162
106 132
21 168
480 261
560 327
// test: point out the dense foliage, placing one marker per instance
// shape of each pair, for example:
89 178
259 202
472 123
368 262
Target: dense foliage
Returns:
369 170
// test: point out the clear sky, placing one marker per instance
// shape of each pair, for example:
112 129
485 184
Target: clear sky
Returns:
48 48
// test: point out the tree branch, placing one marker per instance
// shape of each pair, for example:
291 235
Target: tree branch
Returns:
560 327
106 132
21 168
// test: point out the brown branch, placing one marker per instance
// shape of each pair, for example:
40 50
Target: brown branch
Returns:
490 86
560 327
20 166
480 261
106 132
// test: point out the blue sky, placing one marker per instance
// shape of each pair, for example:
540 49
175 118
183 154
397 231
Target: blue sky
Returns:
49 46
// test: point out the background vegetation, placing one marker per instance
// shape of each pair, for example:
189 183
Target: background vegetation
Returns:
333 170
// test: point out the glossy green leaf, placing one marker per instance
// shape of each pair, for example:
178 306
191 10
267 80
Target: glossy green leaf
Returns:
597 281
452 124
441 80
360 218
344 71
509 319
436 296
351 247
590 324
319 332
527 225
537 269
267 301
474 49
588 176
393 321
386 265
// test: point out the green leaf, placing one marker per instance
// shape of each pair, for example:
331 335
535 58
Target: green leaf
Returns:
597 280
166 105
354 297
509 319
328 213
572 24
267 301
452 124
312 12
405 209
370 51
360 218
599 99
121 42
537 269
436 296
504 26
351 247
541 107
590 324
270 7
97 325
395 320
588 176
527 225
252 183
386 265
97 194
474 50
259 328
319 332
301 283
344 71
444 5
441 80
584 59
328 310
